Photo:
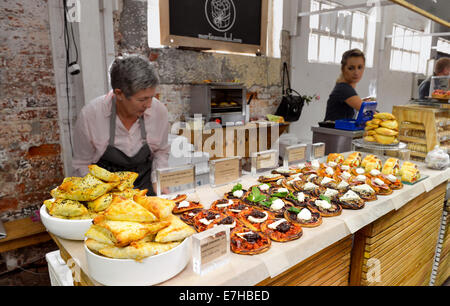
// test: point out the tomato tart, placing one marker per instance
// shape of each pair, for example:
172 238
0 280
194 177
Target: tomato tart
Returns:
223 204
304 216
325 208
226 220
247 242
270 178
254 217
205 218
188 216
281 230
185 205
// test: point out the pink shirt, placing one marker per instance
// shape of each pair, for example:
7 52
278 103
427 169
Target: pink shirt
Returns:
91 135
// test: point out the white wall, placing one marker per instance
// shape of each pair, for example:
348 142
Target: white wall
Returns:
393 88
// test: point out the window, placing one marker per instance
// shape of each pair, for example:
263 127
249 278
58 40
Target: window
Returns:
333 33
410 50
443 45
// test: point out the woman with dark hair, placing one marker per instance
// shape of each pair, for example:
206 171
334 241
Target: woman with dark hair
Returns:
126 129
343 99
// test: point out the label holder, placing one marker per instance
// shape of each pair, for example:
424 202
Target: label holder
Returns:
223 171
263 161
176 179
295 154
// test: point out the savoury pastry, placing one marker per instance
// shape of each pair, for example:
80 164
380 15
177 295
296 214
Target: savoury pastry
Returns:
370 139
390 124
335 157
65 208
353 160
103 174
127 179
383 139
176 231
391 166
281 230
247 242
384 116
161 208
137 250
385 131
101 203
123 209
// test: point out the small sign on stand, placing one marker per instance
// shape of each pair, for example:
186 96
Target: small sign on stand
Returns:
175 179
295 154
317 150
225 170
263 161
210 249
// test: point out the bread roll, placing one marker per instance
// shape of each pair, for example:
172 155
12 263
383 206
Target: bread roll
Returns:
382 139
386 132
390 124
384 116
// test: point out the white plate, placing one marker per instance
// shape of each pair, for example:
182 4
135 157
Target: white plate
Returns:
129 272
67 229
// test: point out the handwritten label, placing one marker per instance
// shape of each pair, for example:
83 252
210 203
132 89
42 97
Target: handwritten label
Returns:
266 160
319 150
294 154
213 247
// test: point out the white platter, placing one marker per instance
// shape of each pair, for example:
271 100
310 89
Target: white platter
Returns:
129 272
67 229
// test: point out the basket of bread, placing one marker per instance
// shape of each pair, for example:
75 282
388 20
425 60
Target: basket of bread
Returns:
382 129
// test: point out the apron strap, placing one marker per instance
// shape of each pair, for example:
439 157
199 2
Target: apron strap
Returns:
143 132
112 122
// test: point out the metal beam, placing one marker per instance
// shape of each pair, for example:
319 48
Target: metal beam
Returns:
347 8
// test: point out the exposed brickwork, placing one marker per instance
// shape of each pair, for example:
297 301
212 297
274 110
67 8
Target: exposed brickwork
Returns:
30 162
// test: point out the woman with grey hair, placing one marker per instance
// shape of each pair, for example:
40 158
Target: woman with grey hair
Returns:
126 129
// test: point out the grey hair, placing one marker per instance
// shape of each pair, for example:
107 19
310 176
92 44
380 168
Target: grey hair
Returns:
132 73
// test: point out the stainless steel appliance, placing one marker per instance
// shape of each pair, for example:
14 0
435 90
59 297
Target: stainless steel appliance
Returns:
220 102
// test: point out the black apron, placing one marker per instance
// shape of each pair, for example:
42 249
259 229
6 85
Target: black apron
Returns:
115 160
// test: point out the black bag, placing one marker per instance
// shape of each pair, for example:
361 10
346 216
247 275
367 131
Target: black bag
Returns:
292 102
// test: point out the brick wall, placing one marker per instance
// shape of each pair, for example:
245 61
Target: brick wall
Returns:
30 154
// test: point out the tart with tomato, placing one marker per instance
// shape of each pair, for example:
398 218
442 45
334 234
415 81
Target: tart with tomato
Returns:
351 200
205 218
269 178
394 182
188 216
380 187
185 205
304 216
226 220
249 242
365 191
178 198
300 198
326 208
284 171
276 206
223 204
236 193
236 208
281 230
253 218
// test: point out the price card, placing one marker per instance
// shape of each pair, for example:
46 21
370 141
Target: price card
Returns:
318 150
175 179
225 170
261 161
295 154
210 248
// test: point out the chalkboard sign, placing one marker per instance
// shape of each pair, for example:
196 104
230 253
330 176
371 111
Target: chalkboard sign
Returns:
232 25
436 10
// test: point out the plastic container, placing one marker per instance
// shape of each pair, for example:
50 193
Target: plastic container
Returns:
365 114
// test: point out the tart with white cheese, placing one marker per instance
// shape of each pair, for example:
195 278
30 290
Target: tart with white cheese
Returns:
188 216
253 218
281 230
351 200
325 208
236 208
393 181
226 220
205 218
305 216
185 205
223 204
299 198
358 171
248 242
380 186
276 206
284 171
235 195
328 182
263 187
312 189
365 191
270 178
332 194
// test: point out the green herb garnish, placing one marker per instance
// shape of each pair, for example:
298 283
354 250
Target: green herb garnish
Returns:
236 187
322 197
294 209
256 196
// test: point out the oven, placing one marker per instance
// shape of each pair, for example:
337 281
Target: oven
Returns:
220 102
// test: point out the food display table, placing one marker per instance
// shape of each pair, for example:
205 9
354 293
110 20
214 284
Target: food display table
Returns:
391 241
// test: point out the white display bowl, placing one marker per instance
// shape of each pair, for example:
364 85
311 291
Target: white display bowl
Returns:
129 272
67 229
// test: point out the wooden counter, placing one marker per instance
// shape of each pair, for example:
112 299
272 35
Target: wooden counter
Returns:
399 230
